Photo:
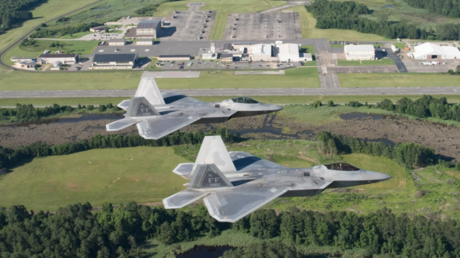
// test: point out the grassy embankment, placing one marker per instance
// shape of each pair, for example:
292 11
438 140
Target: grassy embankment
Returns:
44 12
143 174
77 47
385 61
367 80
224 8
102 80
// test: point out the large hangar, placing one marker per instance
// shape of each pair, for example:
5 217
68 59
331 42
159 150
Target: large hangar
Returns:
114 61
359 52
430 51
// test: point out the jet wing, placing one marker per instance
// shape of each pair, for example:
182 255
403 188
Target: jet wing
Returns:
244 162
157 127
178 98
234 203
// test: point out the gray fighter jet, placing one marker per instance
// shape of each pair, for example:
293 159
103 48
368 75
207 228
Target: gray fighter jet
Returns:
236 183
157 115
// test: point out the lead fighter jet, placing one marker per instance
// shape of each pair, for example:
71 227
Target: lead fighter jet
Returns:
157 115
236 183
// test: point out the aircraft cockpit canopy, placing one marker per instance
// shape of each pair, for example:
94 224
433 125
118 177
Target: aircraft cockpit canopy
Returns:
244 100
341 166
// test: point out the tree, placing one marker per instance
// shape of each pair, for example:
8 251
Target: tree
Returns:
166 234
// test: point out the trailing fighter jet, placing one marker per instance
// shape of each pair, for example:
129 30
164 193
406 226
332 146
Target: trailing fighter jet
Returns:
236 183
157 115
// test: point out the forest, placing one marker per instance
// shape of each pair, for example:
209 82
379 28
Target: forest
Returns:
346 15
449 8
13 12
424 107
77 231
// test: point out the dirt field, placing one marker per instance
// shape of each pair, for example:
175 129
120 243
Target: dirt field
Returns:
444 139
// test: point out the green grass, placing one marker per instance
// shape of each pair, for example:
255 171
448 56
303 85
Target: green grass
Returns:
152 65
385 61
397 80
400 45
99 80
372 99
224 8
76 35
77 47
337 46
142 174
44 12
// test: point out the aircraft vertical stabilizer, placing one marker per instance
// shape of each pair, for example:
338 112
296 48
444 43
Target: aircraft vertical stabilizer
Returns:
148 88
213 151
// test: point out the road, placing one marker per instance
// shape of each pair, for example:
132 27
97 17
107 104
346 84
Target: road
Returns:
238 92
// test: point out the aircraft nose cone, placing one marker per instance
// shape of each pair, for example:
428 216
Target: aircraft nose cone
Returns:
380 176
276 108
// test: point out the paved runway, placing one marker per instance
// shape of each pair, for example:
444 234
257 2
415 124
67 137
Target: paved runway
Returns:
237 92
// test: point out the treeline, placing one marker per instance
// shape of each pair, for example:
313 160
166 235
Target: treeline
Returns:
11 157
75 231
456 72
50 33
345 15
408 155
28 113
424 107
449 8
15 11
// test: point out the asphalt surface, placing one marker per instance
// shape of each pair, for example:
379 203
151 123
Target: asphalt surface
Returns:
398 62
237 92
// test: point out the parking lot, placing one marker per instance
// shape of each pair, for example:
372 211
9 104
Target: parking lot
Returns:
257 26
414 66
188 26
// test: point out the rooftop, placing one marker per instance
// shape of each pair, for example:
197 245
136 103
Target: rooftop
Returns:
98 27
288 49
58 55
119 58
359 48
117 40
166 56
148 24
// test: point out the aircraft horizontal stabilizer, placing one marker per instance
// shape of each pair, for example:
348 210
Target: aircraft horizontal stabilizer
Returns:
124 104
184 170
122 124
183 198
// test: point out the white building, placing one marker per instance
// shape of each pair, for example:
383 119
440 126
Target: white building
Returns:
359 52
25 65
144 42
290 53
63 58
261 52
117 42
429 51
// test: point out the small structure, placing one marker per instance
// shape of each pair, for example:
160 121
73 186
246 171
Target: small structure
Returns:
174 57
97 29
359 52
226 57
429 51
56 66
144 42
117 42
211 54
25 65
149 28
23 59
114 61
64 58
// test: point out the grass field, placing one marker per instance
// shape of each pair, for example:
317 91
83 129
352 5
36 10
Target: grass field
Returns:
47 11
76 35
142 174
400 45
385 61
77 47
101 80
397 80
224 8
308 23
